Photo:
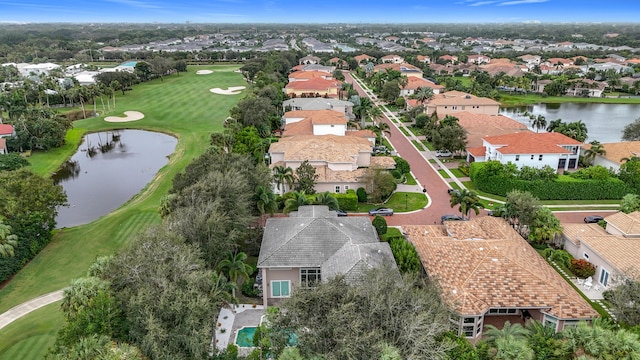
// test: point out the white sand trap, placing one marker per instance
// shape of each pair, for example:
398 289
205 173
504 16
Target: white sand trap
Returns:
237 71
128 116
204 72
232 90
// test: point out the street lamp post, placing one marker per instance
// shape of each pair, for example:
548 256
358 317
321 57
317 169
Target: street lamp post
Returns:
406 201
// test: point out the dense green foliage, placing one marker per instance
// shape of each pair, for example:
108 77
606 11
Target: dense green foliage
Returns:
12 161
362 194
348 201
28 206
405 255
380 224
402 165
495 178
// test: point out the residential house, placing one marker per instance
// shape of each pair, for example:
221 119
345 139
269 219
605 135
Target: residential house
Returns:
529 149
615 153
3 146
6 131
404 68
339 63
452 102
313 87
364 58
425 59
307 75
315 67
479 126
478 59
586 88
415 83
540 85
452 59
343 107
312 245
614 251
309 59
489 275
531 60
39 69
392 59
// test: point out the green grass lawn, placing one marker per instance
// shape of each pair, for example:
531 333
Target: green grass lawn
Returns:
410 180
444 174
30 337
417 144
457 173
404 131
399 202
181 105
386 143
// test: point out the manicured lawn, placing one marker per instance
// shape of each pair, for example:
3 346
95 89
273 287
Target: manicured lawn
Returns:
517 100
457 173
429 145
399 202
417 144
410 180
386 143
404 131
181 105
443 174
31 336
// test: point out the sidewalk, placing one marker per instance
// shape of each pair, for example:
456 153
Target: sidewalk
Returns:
23 309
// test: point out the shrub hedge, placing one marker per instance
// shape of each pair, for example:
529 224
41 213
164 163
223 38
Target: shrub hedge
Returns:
563 188
347 201
405 255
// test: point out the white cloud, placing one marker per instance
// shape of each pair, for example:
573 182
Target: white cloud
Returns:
481 3
136 3
518 2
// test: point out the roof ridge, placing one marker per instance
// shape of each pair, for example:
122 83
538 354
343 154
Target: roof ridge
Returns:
275 250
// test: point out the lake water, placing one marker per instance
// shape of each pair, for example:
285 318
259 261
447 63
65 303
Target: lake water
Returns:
604 121
108 169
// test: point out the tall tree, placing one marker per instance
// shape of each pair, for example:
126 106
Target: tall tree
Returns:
631 132
466 200
539 122
283 176
296 200
596 149
520 210
236 268
306 178
326 198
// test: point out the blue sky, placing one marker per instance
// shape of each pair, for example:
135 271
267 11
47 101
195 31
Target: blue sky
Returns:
319 11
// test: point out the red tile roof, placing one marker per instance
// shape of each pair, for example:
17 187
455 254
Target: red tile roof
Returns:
480 125
313 84
532 143
414 83
477 151
6 129
309 75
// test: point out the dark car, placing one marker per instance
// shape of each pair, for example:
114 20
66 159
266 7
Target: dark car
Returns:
593 219
341 213
382 211
450 217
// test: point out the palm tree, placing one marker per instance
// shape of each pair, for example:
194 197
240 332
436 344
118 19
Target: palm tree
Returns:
508 331
553 125
283 175
265 201
235 267
8 241
326 198
363 110
423 94
297 199
539 123
596 149
222 290
467 201
379 129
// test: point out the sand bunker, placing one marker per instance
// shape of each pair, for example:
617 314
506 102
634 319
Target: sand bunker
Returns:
128 116
233 90
204 72
237 71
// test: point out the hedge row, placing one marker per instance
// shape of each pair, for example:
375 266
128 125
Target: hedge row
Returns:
347 201
563 188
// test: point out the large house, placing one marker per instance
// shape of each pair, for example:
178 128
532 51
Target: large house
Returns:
415 83
314 245
404 68
529 149
489 274
614 251
341 106
313 87
479 126
307 75
616 153
452 102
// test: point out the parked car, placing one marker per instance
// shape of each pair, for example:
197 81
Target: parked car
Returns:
382 211
591 219
341 213
443 153
451 191
451 217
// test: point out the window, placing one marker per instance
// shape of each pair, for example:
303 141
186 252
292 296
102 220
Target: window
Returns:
454 108
517 157
346 187
604 276
502 311
532 157
463 108
540 158
569 323
280 289
309 277
337 189
551 322
585 256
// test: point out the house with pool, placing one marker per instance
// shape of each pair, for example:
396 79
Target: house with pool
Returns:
312 245
489 275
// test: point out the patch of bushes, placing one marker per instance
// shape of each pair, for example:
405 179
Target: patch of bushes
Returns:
74 115
582 268
362 195
402 165
464 168
380 224
347 201
248 289
405 255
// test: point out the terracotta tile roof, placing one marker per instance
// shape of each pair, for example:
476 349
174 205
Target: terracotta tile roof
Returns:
326 175
390 57
399 67
6 129
361 58
414 83
318 117
532 143
633 61
313 84
309 74
479 125
554 61
629 224
411 103
361 133
460 98
477 151
302 127
483 263
297 68
619 150
382 162
330 148
573 232
423 58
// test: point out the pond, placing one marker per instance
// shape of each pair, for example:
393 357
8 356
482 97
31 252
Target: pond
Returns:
604 121
108 169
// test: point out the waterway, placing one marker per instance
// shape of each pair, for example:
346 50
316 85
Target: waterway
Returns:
108 169
604 121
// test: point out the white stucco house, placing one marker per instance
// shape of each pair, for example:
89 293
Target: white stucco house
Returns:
529 149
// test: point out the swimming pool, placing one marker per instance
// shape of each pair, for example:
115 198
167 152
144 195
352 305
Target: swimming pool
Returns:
129 63
244 338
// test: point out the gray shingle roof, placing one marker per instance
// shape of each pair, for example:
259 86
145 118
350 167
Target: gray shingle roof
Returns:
317 237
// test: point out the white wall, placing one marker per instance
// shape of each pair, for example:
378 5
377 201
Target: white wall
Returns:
599 160
329 130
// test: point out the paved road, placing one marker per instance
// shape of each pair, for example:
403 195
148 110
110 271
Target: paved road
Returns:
426 175
23 309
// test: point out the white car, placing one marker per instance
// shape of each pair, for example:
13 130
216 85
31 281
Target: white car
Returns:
443 153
